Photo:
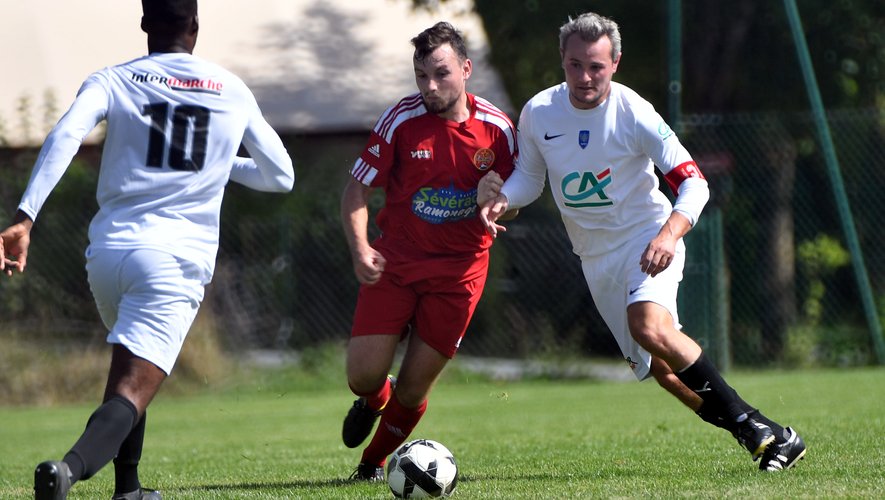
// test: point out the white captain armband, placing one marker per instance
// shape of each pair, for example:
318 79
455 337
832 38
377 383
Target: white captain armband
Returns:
693 195
691 190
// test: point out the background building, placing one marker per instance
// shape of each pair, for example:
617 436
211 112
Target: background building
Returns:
315 66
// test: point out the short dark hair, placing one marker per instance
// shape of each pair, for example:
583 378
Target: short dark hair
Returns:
168 15
436 36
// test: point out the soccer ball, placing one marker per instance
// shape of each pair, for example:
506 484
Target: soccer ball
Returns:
422 469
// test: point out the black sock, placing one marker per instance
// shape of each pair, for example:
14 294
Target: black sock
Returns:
780 434
105 431
720 400
126 463
708 414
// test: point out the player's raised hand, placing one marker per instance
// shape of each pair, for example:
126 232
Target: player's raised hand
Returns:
488 188
14 243
658 254
491 211
368 264
661 251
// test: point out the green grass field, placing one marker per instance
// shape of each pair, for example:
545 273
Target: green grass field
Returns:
277 436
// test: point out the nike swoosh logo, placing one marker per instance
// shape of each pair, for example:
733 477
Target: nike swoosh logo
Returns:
547 137
633 291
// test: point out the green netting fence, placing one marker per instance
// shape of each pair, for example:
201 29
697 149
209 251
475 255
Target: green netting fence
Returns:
768 280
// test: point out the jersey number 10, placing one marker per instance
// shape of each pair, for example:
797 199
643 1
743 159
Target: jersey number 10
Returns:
190 127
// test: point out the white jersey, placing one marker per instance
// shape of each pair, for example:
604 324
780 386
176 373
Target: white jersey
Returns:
174 125
600 163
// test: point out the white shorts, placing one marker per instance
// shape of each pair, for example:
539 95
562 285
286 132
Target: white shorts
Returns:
616 281
147 299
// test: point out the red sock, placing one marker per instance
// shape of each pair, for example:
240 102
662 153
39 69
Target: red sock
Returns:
378 399
396 424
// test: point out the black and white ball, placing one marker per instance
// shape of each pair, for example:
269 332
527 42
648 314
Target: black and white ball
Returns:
422 469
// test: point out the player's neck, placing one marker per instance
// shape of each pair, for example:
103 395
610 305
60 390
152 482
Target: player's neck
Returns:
169 46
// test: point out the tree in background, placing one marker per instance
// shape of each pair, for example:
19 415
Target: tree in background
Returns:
737 56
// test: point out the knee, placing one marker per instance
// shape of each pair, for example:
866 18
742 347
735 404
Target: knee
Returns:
651 326
410 397
369 359
650 336
365 381
366 377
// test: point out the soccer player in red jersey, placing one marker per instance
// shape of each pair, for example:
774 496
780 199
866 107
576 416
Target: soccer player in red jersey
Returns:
423 276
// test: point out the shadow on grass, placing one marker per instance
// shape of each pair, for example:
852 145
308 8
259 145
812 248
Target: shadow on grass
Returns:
339 482
305 484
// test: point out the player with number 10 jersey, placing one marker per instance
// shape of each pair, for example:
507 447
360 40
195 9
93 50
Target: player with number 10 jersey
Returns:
175 123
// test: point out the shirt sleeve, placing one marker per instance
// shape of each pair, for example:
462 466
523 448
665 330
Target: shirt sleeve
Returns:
506 145
526 183
661 144
270 168
375 161
373 166
88 109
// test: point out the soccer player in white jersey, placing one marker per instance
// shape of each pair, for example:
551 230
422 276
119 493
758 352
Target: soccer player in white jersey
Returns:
599 142
174 125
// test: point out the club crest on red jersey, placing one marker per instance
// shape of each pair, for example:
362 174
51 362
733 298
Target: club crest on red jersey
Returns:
484 158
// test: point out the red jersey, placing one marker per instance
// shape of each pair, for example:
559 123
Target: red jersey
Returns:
429 168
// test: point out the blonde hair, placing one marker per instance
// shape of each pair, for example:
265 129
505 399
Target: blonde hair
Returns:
591 27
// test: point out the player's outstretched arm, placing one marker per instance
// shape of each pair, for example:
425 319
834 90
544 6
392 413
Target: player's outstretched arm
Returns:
246 172
270 168
14 243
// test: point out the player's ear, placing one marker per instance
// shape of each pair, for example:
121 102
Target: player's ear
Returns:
195 24
467 67
143 25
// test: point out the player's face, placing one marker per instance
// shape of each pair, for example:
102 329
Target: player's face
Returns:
442 79
588 70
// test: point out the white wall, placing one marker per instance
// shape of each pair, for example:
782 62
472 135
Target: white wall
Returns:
314 65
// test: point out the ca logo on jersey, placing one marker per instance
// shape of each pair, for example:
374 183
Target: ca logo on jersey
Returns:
664 131
586 189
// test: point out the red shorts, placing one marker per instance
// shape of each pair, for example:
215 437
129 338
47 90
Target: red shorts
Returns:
436 296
